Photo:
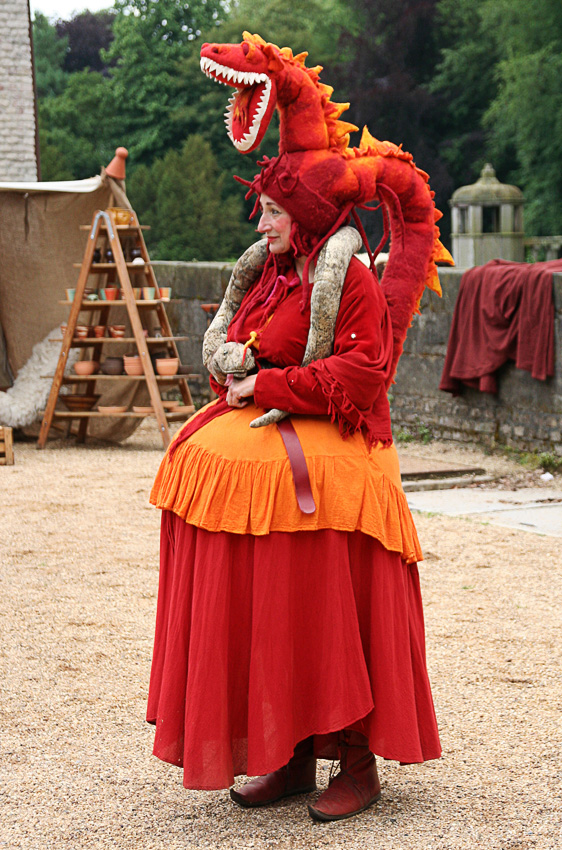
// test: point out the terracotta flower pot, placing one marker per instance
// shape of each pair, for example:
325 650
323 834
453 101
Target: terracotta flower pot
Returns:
109 294
167 365
116 331
133 366
86 367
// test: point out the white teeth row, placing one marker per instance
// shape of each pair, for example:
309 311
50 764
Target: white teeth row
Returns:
249 137
244 78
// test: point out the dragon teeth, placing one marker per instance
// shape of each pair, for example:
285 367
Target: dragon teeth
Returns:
215 71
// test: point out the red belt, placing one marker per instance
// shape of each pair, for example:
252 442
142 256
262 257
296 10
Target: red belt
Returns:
298 466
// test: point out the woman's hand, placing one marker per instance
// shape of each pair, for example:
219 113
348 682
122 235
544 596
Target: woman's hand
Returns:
240 390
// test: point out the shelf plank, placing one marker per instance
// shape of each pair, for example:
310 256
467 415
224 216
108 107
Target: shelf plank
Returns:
121 227
100 268
165 379
96 340
171 415
96 305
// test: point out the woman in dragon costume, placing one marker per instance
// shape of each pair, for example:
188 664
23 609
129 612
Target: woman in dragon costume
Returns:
289 622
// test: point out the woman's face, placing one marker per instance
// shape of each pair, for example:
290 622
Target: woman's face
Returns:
275 223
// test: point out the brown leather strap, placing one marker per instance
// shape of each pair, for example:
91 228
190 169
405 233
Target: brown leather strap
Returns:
298 466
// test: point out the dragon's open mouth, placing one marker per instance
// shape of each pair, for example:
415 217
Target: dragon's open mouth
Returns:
249 110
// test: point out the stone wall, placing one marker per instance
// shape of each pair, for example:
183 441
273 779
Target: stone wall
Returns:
18 161
526 414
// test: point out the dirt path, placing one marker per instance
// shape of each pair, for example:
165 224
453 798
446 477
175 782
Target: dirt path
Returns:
78 564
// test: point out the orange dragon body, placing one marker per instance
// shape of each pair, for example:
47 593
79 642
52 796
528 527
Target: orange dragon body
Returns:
316 142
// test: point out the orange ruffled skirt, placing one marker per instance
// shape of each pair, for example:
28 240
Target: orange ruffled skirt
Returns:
273 625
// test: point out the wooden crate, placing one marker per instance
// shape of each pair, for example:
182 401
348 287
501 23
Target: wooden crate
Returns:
6 446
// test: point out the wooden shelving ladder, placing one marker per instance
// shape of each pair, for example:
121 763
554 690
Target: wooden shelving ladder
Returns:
104 222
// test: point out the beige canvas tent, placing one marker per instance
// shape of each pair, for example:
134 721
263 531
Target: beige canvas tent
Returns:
40 239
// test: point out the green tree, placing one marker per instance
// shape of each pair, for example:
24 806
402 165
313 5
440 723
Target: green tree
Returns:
74 135
150 38
87 34
314 26
182 197
173 22
525 117
464 83
49 54
388 56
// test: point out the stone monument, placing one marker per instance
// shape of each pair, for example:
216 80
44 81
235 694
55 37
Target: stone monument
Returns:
487 222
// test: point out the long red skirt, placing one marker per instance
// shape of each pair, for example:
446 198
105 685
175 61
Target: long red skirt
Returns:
263 641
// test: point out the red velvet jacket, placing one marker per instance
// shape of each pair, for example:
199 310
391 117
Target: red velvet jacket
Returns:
348 386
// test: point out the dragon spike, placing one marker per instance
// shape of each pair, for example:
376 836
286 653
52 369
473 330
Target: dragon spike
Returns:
338 109
432 281
316 70
326 90
343 129
253 39
286 53
441 254
367 141
300 57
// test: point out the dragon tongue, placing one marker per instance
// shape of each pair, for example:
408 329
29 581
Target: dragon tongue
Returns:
250 112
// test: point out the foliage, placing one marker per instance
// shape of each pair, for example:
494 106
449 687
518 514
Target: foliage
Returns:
154 36
74 141
87 35
182 197
49 54
402 436
547 461
465 85
172 22
458 82
314 26
525 118
550 462
389 56
418 432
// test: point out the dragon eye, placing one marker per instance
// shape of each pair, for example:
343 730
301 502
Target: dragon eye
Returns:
248 49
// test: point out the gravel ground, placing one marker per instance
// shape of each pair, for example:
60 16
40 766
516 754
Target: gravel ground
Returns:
78 555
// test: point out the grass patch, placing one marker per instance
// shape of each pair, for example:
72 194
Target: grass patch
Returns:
547 461
417 433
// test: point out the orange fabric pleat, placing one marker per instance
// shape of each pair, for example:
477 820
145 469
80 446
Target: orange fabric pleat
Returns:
230 477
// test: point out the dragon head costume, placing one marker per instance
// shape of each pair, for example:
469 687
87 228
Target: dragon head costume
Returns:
322 181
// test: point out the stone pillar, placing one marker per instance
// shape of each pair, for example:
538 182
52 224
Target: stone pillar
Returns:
487 222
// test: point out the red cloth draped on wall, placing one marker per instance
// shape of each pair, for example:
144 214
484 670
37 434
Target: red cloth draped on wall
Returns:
504 311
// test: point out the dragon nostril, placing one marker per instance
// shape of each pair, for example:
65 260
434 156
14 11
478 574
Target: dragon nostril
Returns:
245 48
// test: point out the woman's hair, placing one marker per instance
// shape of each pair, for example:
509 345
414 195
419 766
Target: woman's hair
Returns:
302 242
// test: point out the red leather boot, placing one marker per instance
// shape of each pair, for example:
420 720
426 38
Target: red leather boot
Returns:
355 787
296 777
